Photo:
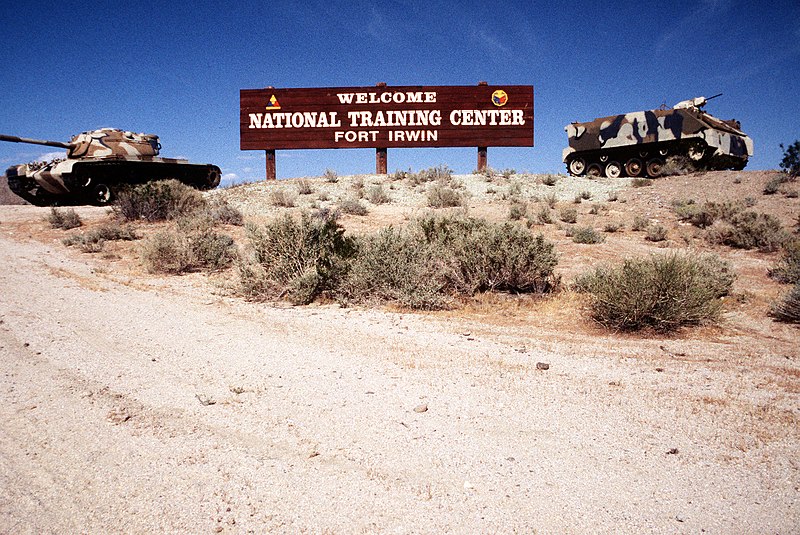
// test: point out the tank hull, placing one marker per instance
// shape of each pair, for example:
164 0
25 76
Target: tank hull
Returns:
639 143
95 180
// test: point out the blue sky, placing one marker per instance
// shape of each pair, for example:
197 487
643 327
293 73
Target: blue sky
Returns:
176 70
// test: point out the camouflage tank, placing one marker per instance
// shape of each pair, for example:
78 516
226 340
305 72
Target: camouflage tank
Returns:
639 143
96 163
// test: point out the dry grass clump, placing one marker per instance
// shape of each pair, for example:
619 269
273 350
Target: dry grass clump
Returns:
220 211
295 259
549 180
437 259
440 173
64 219
304 187
330 176
157 201
543 216
677 166
94 240
655 233
517 210
660 292
641 182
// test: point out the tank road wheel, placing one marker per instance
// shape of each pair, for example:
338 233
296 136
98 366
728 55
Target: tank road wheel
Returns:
101 194
213 177
633 167
577 166
594 171
613 170
654 167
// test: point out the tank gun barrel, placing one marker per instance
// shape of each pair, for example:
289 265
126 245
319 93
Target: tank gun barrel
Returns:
715 96
16 139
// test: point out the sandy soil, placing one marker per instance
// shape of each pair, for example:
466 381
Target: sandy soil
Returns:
136 403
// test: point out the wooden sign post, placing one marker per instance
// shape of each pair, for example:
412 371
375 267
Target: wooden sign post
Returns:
384 117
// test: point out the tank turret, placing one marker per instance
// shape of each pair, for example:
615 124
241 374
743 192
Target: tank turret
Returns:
639 143
98 162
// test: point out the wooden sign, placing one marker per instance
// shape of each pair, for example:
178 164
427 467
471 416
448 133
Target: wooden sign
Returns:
384 117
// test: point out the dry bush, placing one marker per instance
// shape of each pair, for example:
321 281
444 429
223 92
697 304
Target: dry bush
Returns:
440 196
157 201
282 198
543 216
749 230
641 182
787 270
677 166
295 259
587 235
517 210
330 176
64 219
377 195
655 233
438 258
640 223
191 248
352 206
304 187
222 212
568 214
612 226
549 180
94 240
787 309
660 292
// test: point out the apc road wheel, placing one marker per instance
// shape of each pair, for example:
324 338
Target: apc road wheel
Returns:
633 167
594 171
577 166
101 194
654 167
613 170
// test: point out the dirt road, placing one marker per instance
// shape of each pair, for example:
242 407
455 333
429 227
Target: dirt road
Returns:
154 405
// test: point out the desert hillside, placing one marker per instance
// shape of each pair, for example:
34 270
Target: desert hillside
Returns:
133 401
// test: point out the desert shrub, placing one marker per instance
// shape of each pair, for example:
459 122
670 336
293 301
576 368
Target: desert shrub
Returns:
352 206
612 226
296 259
93 240
773 185
543 216
517 210
787 309
211 250
568 214
655 233
282 198
790 163
440 173
661 292
587 235
304 187
377 195
222 212
749 230
640 223
641 182
508 173
551 200
595 209
400 175
157 201
787 270
64 219
515 189
677 166
330 176
440 196
549 180
613 196
166 252
437 258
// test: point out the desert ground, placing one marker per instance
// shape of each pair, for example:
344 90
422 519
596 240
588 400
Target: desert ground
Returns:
134 402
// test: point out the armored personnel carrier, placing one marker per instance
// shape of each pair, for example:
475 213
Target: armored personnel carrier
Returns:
639 143
97 162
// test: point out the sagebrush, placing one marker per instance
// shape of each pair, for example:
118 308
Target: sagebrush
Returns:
661 292
157 201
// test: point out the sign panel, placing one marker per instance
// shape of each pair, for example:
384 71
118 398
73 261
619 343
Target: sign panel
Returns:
386 117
